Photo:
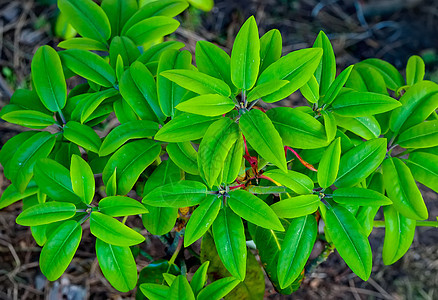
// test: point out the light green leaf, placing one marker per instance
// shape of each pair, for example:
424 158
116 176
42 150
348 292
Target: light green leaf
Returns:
83 44
265 89
118 12
329 165
297 182
180 289
366 127
325 73
218 289
295 207
82 179
151 29
424 168
45 213
360 197
270 48
205 5
11 195
199 278
310 90
233 162
336 87
82 135
155 291
210 105
93 102
120 206
184 156
423 135
29 118
415 70
392 77
124 47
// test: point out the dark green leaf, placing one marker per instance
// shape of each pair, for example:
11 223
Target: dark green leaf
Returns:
83 44
124 47
82 179
424 168
118 12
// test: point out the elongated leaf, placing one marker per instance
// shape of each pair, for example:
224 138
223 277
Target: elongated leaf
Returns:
11 146
29 118
245 56
48 78
415 70
336 86
233 162
11 195
296 248
112 231
214 148
82 179
124 47
93 102
125 132
348 237
201 219
392 77
358 163
199 278
181 194
117 265
229 237
424 168
270 48
151 29
184 156
423 135
296 206
365 78
366 127
59 249
402 190
83 44
130 160
399 235
218 289
118 12
123 111
265 89
155 291
263 137
325 73
360 197
46 213
119 206
297 182
185 127
180 289
310 90
210 105
82 135
329 165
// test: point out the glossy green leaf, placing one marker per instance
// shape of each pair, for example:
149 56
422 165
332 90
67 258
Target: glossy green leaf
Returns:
423 135
365 78
184 156
155 291
45 213
296 248
310 90
201 219
336 87
82 135
270 48
130 160
111 185
245 56
87 18
83 44
180 289
392 77
296 206
180 194
48 78
218 289
11 195
210 105
265 89
120 206
263 137
297 182
199 278
117 265
399 235
59 249
329 165
185 127
214 147
123 111
91 105
29 118
360 197
366 127
124 47
402 189
424 168
112 231
118 12
358 163
229 237
125 132
151 29
348 237
298 129
415 70
82 179
233 162
90 66
325 73
205 5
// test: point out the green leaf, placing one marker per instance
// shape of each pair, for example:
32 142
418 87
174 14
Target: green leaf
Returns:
213 61
54 180
184 156
360 197
151 29
111 185
348 237
325 73
229 237
214 147
270 48
59 249
180 289
125 132
205 5
83 44
185 127
336 87
298 129
82 135
93 102
120 206
424 168
48 78
296 248
310 90
155 291
201 219
82 179
245 56
11 195
358 104
254 210
399 235
21 165
169 278
180 194
359 162
198 82
366 127
29 118
123 111
265 89
117 265
297 182
210 105
401 188
87 18
415 70
118 12
45 213
295 207
90 66
365 78
233 162
329 165
199 278
263 137
130 160
296 67
218 289
392 77
112 231
423 135
124 47
11 146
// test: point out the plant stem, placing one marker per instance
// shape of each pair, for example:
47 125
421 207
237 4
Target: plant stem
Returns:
253 103
62 116
175 254
381 224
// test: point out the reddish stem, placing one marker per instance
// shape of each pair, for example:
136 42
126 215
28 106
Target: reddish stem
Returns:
259 108
237 186
246 147
267 178
305 163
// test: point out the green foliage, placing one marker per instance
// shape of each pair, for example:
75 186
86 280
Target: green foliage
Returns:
197 155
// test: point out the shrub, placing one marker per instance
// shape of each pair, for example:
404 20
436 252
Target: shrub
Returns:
200 148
